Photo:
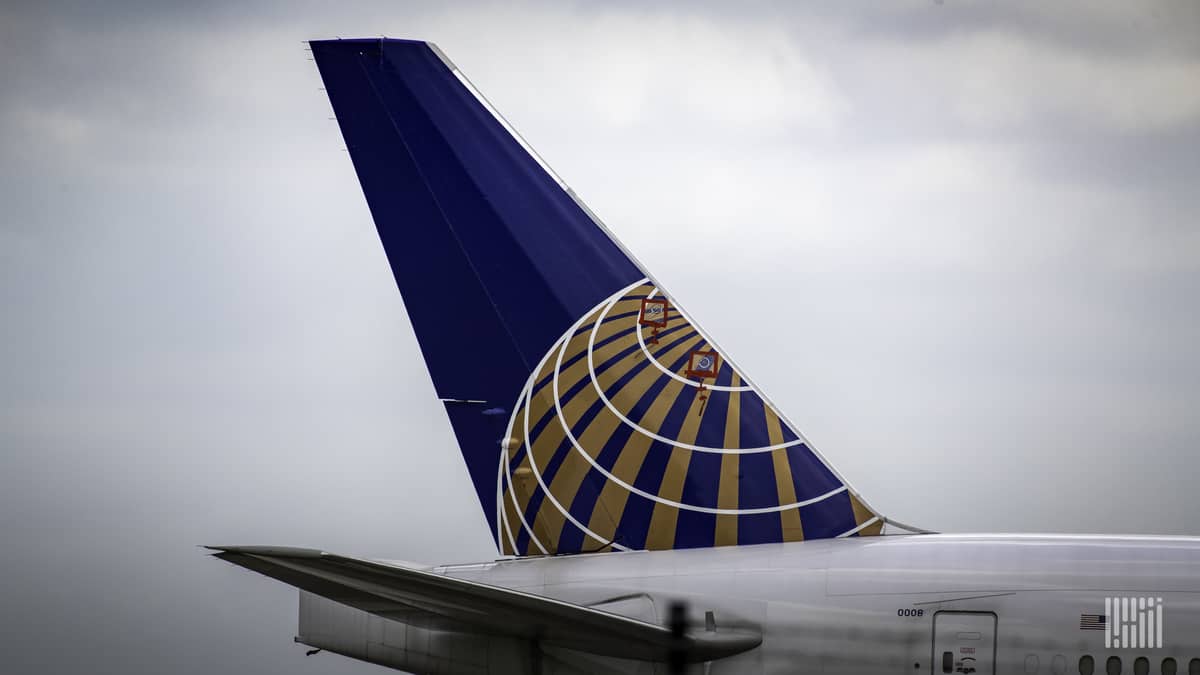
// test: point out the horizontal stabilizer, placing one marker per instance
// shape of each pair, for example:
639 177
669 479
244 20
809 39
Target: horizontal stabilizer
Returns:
397 592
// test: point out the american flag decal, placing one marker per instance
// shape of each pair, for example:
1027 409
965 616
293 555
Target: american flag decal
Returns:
1092 622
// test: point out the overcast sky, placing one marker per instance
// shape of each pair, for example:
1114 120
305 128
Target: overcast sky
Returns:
957 242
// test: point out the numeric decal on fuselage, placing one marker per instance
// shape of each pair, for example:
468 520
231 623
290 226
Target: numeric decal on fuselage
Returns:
912 613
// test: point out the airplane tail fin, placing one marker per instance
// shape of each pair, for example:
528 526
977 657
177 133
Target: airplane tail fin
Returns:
591 411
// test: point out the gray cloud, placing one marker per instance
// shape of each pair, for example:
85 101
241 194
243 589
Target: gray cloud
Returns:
956 242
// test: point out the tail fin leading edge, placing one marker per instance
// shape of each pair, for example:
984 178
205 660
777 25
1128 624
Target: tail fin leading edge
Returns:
591 412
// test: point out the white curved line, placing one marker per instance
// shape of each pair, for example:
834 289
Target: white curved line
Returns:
643 430
783 419
680 505
661 500
500 517
522 403
503 520
508 532
677 376
512 495
865 524
524 396
529 382
550 495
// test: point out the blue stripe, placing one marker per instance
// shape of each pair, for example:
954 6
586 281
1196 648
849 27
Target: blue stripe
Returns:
759 528
571 538
756 487
613 389
675 417
756 481
694 529
662 349
702 483
653 469
788 434
711 432
551 413
584 504
753 422
565 447
811 477
572 359
724 375
828 517
635 522
635 519
610 317
703 480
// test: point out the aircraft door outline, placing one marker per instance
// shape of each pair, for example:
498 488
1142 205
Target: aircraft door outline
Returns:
964 643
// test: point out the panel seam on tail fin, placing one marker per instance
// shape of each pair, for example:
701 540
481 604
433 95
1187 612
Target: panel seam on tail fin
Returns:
438 203
508 126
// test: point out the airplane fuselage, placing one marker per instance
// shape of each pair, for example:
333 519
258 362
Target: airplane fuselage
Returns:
901 604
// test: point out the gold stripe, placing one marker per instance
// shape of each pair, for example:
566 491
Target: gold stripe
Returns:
612 324
664 519
546 395
873 530
573 469
524 483
542 402
614 498
673 317
509 516
861 513
547 441
571 473
786 490
662 522
629 462
727 493
515 526
574 408
577 372
611 502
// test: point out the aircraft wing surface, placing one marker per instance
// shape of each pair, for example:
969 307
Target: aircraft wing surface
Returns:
396 592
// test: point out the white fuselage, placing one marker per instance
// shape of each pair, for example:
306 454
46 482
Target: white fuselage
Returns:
895 604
